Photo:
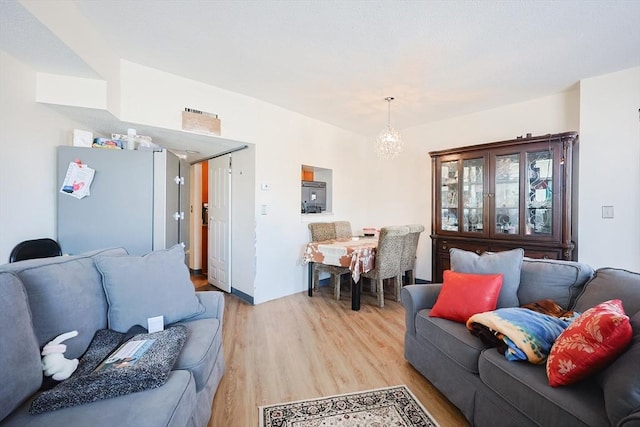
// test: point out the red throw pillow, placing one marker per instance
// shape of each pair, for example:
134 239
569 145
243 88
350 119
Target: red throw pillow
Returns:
463 295
590 343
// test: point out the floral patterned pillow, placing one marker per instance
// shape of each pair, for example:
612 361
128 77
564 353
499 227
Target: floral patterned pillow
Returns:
589 344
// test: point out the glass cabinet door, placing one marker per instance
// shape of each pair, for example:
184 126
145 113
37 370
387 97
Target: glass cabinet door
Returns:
449 215
507 194
472 195
539 193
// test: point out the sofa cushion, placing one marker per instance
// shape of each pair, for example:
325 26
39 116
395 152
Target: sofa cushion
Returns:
20 355
507 262
611 283
140 287
620 381
201 350
560 281
169 405
525 386
462 295
65 294
591 342
452 338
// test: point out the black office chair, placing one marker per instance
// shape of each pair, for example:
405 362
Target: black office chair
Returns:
37 248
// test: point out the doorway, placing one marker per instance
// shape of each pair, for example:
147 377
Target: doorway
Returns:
241 235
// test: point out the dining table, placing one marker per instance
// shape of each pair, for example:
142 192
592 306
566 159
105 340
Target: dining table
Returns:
356 253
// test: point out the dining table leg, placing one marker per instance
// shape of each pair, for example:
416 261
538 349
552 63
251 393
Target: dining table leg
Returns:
356 288
310 281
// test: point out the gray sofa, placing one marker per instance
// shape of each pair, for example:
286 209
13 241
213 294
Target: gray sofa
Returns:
492 391
42 298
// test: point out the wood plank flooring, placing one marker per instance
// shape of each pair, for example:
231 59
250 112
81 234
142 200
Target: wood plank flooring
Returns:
298 347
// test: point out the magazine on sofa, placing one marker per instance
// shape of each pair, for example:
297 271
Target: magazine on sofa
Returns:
126 354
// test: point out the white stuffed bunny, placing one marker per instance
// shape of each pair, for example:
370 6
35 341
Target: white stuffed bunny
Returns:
53 361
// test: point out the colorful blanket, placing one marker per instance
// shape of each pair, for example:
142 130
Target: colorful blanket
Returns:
520 333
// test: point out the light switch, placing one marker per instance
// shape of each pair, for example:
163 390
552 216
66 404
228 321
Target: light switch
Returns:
607 212
263 209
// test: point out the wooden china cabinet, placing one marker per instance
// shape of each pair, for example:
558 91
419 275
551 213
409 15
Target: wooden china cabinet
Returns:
503 195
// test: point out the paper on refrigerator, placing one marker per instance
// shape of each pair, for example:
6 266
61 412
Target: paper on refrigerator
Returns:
77 181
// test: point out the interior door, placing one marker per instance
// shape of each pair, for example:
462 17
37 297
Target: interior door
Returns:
219 246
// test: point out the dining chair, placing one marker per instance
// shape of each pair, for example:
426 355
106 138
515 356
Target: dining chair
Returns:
321 231
408 261
387 261
343 229
37 248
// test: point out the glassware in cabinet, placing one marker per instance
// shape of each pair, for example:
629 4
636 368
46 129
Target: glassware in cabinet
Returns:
449 213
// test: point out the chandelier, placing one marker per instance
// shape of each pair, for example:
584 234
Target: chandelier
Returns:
389 142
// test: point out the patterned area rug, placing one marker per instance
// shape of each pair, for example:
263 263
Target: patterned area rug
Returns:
391 406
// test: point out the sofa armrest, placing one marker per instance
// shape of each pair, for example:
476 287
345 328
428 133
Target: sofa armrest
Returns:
213 302
415 298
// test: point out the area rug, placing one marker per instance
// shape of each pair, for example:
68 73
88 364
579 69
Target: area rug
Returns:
391 406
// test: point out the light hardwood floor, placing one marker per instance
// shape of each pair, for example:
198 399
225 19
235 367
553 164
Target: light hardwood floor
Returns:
298 347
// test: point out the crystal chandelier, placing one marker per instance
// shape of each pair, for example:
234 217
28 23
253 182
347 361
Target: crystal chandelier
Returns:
389 142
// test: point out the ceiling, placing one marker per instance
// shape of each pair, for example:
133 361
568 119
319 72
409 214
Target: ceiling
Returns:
336 61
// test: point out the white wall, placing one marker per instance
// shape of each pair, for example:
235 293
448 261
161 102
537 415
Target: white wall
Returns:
610 169
549 114
29 133
283 141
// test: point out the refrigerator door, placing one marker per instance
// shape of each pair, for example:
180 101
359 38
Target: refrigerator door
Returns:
171 201
119 209
185 202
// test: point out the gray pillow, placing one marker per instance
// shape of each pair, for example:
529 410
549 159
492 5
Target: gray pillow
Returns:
508 263
558 280
611 283
138 288
20 355
620 381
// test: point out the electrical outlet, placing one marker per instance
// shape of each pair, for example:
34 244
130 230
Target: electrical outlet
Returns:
607 212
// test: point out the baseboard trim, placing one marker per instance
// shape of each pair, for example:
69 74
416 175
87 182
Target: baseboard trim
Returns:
197 272
245 297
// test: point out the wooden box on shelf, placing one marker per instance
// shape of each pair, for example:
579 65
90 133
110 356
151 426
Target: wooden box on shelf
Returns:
198 121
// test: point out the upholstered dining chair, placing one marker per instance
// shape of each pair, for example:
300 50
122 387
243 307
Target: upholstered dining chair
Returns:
408 261
343 229
322 231
387 262
326 231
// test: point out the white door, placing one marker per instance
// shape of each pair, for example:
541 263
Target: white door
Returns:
219 245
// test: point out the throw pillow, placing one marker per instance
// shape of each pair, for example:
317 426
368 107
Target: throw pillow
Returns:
463 295
591 342
507 262
138 288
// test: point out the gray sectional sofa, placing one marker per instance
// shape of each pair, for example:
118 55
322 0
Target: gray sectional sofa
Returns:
492 391
107 289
